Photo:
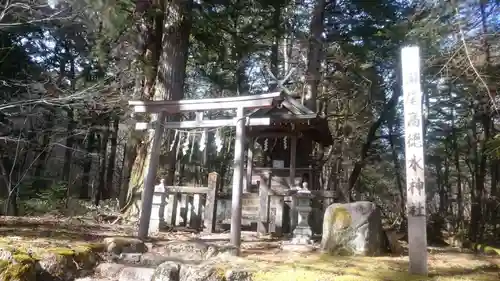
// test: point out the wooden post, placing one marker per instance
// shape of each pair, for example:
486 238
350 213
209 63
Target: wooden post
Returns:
150 178
293 160
157 209
250 149
182 210
195 221
237 190
415 166
294 215
279 203
211 203
263 223
171 209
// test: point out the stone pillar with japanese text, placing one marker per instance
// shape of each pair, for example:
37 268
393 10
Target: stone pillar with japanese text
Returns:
414 155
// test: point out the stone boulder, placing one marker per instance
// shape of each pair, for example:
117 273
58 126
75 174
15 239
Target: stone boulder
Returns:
202 272
176 251
190 250
353 229
119 245
221 268
393 238
18 264
167 271
17 267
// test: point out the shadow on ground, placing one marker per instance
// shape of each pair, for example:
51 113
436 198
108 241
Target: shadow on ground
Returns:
68 230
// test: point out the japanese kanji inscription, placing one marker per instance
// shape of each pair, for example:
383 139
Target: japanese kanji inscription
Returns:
414 140
416 185
412 98
415 164
416 209
413 120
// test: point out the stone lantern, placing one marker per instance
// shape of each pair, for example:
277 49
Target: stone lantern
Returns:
302 233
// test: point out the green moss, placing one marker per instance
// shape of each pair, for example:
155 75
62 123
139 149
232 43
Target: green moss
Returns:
22 268
296 274
3 265
82 250
485 249
61 251
220 272
85 256
341 217
94 247
22 252
7 248
491 250
23 258
324 271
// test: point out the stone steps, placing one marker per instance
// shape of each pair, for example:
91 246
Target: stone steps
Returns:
93 279
119 272
137 266
136 274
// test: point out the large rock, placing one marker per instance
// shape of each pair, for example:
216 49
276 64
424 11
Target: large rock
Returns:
393 238
193 250
65 263
136 274
212 270
18 264
17 268
353 228
119 245
168 271
108 269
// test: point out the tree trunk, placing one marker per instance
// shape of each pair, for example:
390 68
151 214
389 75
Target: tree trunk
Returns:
87 166
169 86
103 191
112 159
70 140
150 30
397 168
313 74
275 45
68 154
129 155
441 191
460 206
44 152
477 217
10 208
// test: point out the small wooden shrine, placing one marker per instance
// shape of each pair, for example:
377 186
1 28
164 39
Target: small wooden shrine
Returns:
283 150
280 161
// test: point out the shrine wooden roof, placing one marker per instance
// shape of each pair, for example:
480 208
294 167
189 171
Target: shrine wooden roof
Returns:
290 110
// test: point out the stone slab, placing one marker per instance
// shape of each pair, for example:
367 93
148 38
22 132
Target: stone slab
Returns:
299 248
136 274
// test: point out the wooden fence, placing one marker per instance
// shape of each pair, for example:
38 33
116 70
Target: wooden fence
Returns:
201 208
187 206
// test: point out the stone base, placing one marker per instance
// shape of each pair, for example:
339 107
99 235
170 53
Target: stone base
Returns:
300 248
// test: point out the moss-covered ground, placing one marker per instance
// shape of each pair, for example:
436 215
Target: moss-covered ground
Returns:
59 246
444 265
29 240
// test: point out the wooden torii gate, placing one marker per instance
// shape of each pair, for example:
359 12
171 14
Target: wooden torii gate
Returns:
160 109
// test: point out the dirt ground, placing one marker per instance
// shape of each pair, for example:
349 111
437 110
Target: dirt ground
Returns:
445 264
